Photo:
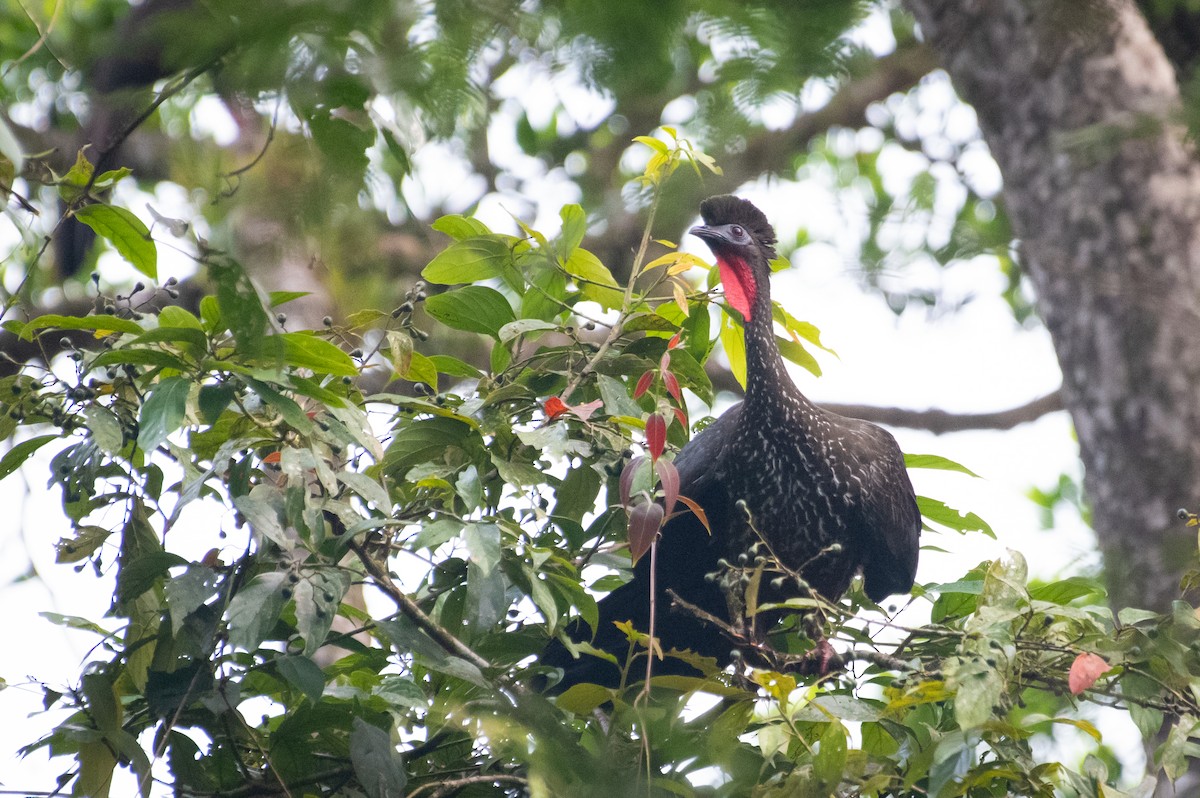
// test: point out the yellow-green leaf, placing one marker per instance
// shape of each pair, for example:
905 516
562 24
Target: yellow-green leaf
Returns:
125 232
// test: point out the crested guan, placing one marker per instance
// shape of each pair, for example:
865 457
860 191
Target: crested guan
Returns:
808 478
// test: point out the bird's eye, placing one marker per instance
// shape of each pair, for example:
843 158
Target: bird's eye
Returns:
737 231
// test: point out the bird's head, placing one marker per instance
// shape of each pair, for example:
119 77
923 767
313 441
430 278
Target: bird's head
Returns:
743 242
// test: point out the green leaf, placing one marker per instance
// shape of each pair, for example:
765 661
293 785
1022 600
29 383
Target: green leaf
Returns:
163 412
830 761
187 592
125 232
240 305
18 454
70 187
1173 754
582 699
978 687
422 369
318 595
75 622
940 513
102 324
343 144
140 573
291 412
377 766
804 329
448 364
254 610
486 602
798 355
277 298
483 545
105 428
469 260
304 350
474 308
735 347
936 461
574 227
213 399
1064 591
262 507
87 539
524 326
10 148
173 316
596 282
303 674
461 227
111 177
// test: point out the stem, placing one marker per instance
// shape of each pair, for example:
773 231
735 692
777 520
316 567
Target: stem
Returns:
619 326
651 630
414 613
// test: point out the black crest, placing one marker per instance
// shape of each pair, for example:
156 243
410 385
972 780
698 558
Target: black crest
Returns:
728 209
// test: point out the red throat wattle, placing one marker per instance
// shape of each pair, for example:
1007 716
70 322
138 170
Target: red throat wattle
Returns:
740 288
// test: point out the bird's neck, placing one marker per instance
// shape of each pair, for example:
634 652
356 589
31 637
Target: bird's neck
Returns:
769 387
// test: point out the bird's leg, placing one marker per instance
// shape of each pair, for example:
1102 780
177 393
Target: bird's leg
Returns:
823 659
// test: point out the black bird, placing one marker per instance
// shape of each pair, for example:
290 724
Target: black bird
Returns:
809 479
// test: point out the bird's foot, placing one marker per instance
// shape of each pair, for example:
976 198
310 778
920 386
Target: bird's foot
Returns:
821 661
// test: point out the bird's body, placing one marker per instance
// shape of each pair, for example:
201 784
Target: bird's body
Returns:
809 479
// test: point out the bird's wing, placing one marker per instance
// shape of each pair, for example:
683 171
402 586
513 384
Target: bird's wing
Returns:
699 461
889 521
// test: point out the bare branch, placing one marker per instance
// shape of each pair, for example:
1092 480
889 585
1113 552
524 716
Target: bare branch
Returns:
414 613
941 421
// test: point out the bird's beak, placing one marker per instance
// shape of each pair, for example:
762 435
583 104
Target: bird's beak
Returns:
706 233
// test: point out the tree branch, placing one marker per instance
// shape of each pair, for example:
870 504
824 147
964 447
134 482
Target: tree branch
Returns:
941 421
414 613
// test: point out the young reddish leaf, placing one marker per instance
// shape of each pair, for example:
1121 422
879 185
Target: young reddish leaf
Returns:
643 384
272 458
627 477
674 342
681 414
1085 670
585 411
669 476
644 523
664 362
554 407
656 435
697 510
672 384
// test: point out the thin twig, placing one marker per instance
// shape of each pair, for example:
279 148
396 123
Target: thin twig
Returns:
444 788
414 613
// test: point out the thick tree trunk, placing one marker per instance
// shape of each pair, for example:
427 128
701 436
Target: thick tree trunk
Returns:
1104 194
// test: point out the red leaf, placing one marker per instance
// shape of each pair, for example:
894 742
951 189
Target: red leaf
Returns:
643 384
672 386
669 476
681 414
674 342
627 477
1085 670
698 510
554 407
585 411
664 362
272 458
644 522
656 435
